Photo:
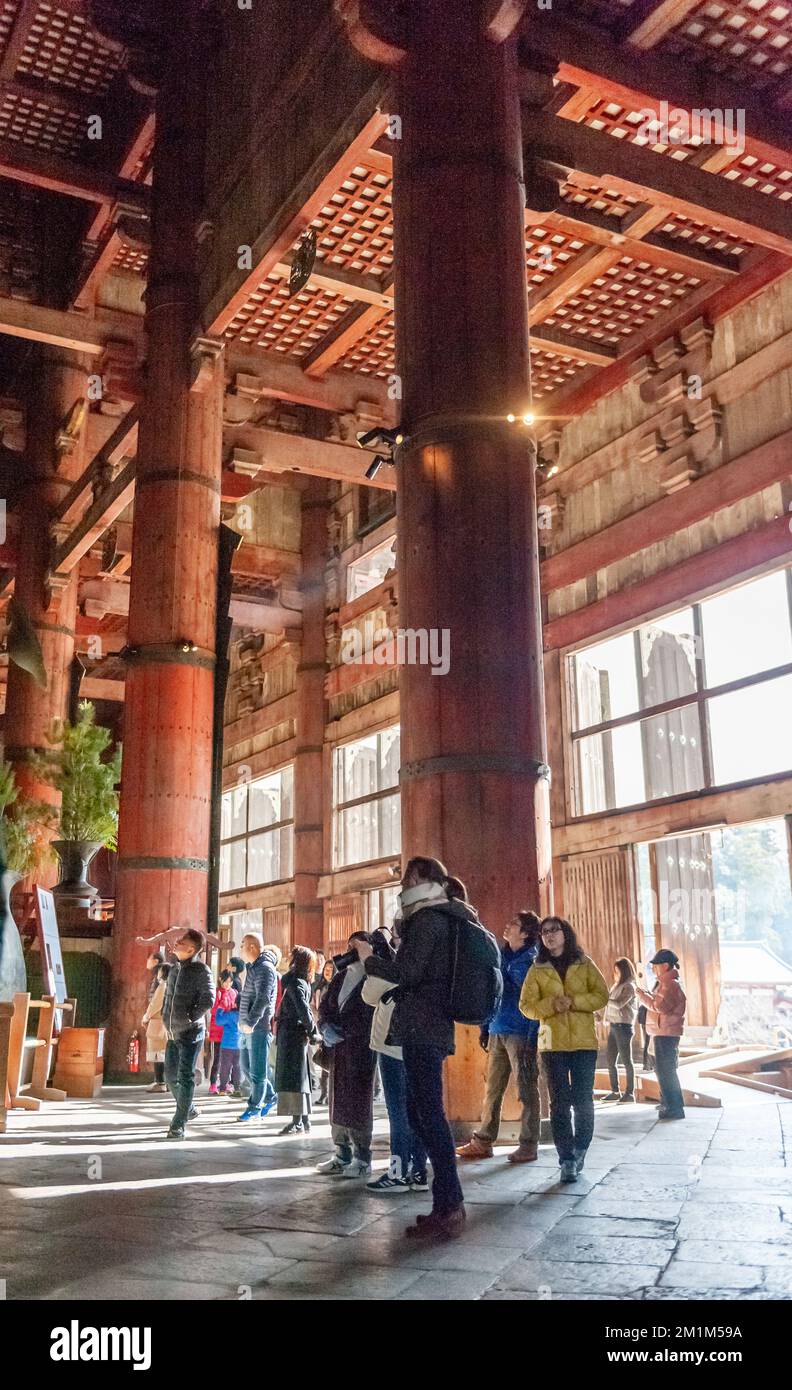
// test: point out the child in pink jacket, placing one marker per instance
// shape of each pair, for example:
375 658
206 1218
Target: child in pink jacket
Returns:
665 1023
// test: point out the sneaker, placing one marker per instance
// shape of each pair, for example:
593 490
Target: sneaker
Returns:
627 1099
612 1095
525 1153
332 1167
580 1160
194 1113
569 1170
248 1115
265 1109
475 1148
175 1134
671 1115
236 1095
213 1091
293 1127
157 1087
356 1169
386 1184
306 1124
419 1182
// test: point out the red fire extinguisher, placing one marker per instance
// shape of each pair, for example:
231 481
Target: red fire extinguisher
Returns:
133 1053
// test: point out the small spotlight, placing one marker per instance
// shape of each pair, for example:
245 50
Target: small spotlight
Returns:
553 471
185 645
375 466
511 418
529 418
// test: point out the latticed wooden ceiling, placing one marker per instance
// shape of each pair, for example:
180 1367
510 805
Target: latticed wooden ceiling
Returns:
605 268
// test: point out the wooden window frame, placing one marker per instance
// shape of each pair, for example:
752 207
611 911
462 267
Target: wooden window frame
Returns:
247 833
699 698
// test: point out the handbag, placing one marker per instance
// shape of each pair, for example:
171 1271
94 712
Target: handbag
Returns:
322 1057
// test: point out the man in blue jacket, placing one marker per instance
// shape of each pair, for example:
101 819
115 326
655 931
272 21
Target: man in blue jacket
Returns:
510 1041
256 1015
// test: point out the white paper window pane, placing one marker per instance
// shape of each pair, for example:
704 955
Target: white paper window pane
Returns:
234 812
751 732
270 856
747 630
606 682
232 866
368 831
667 658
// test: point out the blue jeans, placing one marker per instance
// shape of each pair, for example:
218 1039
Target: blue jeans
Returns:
666 1052
405 1143
570 1081
180 1061
254 1055
423 1065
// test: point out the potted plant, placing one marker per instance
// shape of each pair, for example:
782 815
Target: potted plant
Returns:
88 815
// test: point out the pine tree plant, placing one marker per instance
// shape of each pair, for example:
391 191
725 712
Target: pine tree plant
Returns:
87 784
22 838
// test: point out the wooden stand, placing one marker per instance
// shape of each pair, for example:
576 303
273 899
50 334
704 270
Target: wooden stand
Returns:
13 1029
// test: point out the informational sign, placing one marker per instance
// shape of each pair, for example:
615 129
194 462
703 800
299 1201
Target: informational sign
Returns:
50 945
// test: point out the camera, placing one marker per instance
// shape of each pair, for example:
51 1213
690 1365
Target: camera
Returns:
343 962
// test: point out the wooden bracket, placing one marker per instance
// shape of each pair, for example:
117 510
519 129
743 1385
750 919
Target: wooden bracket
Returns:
204 355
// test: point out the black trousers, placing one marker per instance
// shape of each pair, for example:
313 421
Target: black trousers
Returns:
180 1063
423 1065
620 1048
666 1051
570 1081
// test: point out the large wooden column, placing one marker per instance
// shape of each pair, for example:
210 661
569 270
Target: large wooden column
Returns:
166 779
52 457
474 781
309 760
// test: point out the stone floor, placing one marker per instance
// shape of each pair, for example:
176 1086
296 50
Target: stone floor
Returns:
94 1205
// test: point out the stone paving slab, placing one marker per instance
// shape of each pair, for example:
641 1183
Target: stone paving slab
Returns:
662 1212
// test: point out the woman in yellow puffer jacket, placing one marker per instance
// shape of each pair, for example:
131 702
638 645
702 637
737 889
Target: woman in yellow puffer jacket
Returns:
563 990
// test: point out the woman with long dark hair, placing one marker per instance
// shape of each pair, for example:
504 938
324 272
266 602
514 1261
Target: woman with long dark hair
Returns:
431 902
620 1014
563 990
296 1032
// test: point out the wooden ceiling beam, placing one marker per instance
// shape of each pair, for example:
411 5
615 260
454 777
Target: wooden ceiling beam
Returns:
283 379
592 160
77 332
585 224
649 21
580 349
58 175
638 80
363 288
296 454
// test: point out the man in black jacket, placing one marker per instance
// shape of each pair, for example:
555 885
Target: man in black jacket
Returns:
189 996
256 1014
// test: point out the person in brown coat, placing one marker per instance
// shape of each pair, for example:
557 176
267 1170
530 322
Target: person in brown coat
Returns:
156 1035
665 1023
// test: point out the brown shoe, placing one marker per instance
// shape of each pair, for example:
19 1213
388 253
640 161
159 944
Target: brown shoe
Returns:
525 1153
475 1148
435 1227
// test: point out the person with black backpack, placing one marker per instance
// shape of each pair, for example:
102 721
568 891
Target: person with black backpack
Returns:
446 969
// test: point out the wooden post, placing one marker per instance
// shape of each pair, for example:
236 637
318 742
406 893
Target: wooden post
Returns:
474 778
166 785
308 763
53 456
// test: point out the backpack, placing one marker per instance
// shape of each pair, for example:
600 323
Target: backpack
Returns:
476 979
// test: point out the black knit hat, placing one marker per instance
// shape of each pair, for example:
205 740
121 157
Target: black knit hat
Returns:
664 957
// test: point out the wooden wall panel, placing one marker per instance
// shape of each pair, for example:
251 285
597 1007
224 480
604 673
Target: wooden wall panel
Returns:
277 927
600 901
342 916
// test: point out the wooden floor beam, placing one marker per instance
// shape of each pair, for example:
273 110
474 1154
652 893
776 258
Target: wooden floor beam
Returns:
78 332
